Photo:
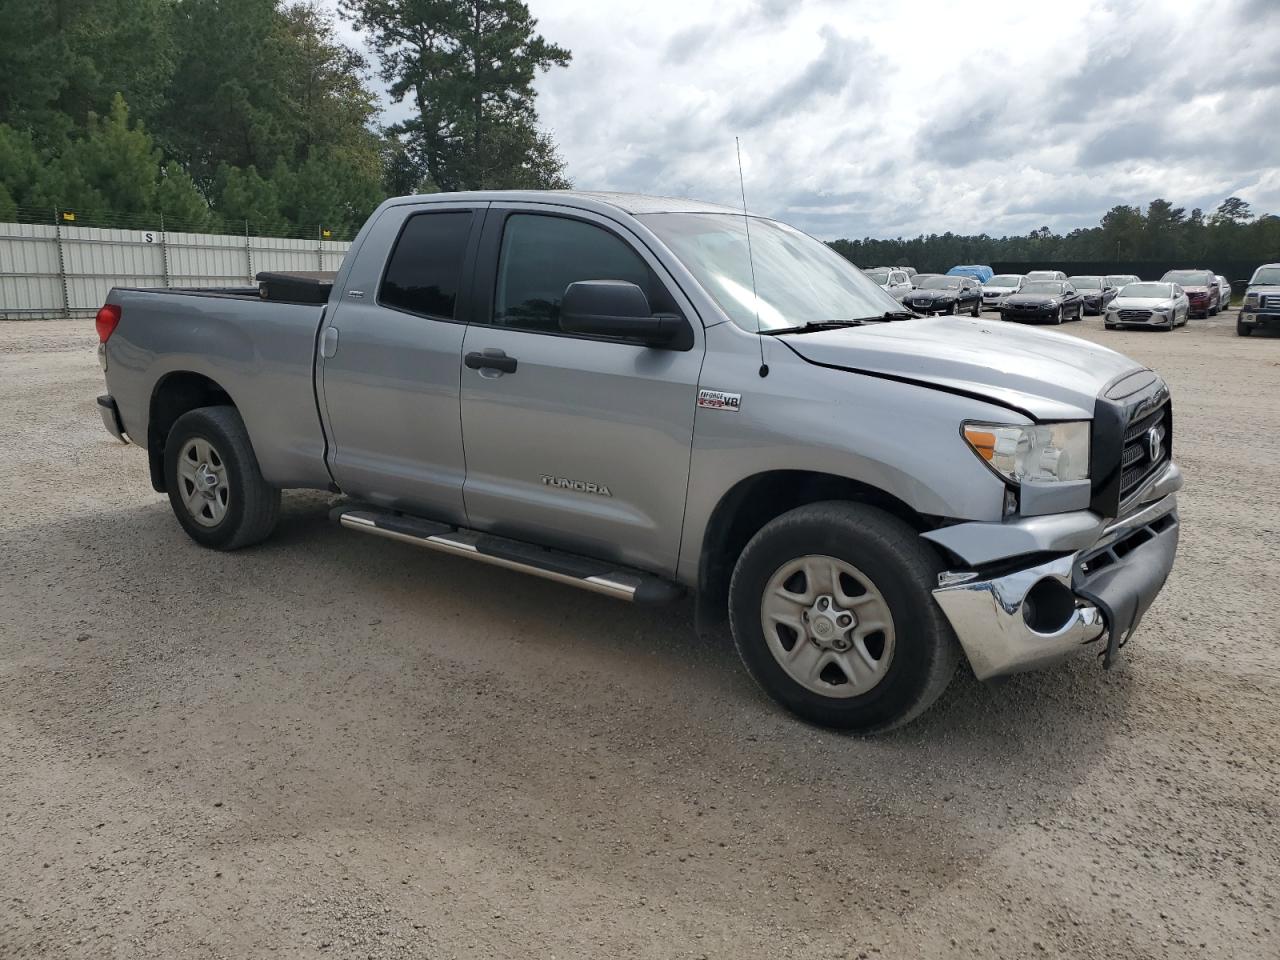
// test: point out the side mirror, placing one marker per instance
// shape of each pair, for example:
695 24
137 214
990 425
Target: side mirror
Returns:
615 308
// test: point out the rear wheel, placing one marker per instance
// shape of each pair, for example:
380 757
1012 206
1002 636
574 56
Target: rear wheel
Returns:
215 486
832 615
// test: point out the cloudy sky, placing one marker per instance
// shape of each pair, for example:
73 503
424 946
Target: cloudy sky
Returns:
893 119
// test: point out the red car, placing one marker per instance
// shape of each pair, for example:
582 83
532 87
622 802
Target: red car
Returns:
1202 289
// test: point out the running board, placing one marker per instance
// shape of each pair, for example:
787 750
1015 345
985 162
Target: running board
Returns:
594 575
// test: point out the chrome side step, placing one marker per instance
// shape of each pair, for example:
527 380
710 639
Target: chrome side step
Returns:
577 571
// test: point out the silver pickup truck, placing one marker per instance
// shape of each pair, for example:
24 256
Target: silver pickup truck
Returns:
651 398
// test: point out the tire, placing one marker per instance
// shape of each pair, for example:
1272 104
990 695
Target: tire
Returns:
977 309
1213 311
240 508
1243 329
951 310
894 567
1057 320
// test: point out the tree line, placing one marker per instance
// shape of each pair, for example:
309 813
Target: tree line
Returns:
252 114
1161 232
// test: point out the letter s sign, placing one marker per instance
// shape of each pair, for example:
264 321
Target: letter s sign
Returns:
151 238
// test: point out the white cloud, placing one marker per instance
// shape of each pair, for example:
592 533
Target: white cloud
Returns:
871 119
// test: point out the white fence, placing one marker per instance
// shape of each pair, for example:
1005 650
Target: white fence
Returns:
65 271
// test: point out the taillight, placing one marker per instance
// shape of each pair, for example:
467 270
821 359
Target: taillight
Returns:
106 320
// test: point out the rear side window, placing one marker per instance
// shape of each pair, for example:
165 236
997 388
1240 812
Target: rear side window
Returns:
541 255
426 264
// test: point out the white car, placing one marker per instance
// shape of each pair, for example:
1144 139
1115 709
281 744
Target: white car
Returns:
999 287
894 280
1046 275
1157 304
1224 289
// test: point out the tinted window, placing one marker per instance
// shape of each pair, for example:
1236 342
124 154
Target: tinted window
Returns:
426 264
542 255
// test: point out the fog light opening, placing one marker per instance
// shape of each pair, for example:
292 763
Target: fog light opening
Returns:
1048 606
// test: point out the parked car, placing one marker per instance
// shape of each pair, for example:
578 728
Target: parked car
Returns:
945 295
1224 293
1121 280
977 271
1261 305
999 287
892 280
911 271
570 385
1046 275
1095 291
920 278
1156 304
1052 300
1201 287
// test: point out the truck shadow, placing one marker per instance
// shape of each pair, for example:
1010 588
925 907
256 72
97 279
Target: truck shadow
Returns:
378 688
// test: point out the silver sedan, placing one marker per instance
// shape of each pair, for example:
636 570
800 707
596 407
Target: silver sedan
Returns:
1159 305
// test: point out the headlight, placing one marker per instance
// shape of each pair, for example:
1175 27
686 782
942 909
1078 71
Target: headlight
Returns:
1250 299
1043 452
1162 309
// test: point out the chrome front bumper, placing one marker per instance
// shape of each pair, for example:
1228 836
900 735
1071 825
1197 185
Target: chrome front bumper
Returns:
1037 615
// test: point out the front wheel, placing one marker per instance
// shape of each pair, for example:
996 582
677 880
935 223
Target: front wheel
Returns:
1057 317
215 486
1243 329
952 309
977 309
831 613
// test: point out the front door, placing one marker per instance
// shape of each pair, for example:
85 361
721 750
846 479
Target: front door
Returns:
390 358
581 443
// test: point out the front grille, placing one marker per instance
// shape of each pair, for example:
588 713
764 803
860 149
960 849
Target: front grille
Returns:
1149 433
1135 316
1270 302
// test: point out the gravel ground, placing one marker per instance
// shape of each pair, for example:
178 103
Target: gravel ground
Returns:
338 746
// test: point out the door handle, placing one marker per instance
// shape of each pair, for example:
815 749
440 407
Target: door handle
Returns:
329 347
490 359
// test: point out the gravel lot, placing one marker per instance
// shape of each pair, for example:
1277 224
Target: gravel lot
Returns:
338 746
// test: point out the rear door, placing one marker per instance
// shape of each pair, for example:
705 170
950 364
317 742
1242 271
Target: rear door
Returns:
390 357
581 443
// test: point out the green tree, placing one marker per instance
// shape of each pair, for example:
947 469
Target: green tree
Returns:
64 59
468 68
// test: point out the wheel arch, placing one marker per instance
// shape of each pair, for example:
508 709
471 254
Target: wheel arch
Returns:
174 394
754 501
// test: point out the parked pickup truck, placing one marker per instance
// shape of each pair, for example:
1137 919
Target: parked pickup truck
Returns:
1261 306
623 394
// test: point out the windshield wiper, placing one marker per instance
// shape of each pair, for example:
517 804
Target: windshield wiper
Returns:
814 326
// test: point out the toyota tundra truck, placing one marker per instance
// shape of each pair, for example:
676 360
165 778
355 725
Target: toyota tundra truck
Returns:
651 398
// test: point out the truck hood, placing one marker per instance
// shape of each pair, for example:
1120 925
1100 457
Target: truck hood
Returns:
1049 376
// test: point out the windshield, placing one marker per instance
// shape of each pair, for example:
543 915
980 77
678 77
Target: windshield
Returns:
1043 287
1188 278
1042 275
1266 275
1004 280
879 276
798 279
940 283
1086 283
1162 290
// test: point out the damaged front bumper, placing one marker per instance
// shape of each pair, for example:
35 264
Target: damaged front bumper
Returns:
1091 598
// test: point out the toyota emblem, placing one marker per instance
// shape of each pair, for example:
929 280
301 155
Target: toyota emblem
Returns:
1155 436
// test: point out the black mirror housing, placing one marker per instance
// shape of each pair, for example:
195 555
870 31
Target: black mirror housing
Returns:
617 308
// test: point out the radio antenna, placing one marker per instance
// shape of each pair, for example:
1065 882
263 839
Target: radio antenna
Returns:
746 223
